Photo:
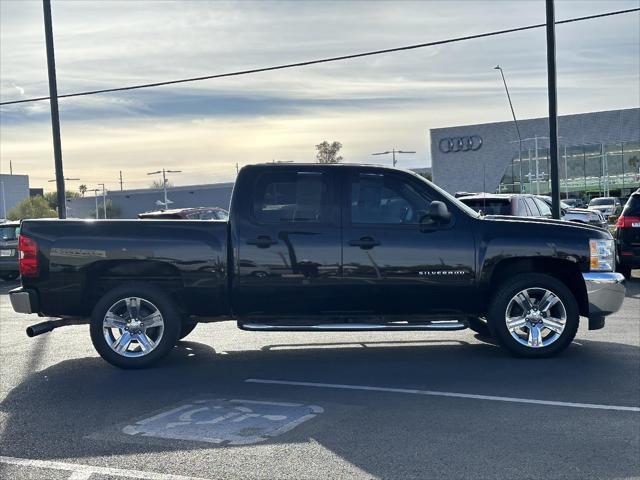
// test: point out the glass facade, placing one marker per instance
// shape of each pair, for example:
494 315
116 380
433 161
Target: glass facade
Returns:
586 171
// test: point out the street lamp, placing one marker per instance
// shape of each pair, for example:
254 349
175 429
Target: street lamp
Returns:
393 152
513 113
164 183
95 194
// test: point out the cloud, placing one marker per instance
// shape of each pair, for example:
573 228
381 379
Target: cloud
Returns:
368 104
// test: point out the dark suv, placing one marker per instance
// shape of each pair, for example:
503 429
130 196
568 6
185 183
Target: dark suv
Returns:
627 236
9 250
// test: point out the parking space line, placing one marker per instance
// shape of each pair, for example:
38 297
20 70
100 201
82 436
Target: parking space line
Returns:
84 472
435 393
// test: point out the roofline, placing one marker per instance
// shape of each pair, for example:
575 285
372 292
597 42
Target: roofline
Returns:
534 118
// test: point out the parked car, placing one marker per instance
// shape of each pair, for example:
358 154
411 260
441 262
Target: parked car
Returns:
627 236
582 215
197 213
343 247
9 250
575 202
608 206
511 204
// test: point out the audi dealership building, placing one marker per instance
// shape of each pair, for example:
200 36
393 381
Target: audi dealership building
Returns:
599 155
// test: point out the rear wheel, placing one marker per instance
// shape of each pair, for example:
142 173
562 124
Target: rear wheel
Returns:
534 315
134 326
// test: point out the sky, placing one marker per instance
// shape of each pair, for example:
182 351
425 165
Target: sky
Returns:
370 104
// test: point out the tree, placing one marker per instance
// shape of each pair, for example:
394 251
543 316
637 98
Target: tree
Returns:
32 207
157 184
52 198
328 152
83 189
113 210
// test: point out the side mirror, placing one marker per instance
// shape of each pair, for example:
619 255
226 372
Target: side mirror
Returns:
438 215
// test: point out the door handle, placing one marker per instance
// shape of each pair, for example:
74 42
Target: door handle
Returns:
262 241
365 243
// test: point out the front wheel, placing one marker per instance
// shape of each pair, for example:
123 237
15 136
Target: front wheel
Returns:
534 315
134 326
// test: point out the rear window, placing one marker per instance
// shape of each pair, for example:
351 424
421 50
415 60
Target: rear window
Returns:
8 233
489 206
293 196
632 208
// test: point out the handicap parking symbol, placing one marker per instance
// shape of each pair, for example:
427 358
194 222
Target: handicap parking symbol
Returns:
233 422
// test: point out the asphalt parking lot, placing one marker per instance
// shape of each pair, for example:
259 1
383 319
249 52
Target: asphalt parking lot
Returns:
234 404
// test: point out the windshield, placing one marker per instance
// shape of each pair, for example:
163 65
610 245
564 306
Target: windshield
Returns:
601 201
8 233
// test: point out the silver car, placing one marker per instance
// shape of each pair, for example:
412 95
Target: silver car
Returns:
580 215
606 205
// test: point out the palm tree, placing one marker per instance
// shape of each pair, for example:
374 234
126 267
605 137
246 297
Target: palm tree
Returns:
83 189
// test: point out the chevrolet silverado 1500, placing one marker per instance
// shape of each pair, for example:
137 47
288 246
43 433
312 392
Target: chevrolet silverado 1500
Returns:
320 248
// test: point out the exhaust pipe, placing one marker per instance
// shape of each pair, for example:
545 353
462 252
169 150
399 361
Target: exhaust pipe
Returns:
40 328
44 327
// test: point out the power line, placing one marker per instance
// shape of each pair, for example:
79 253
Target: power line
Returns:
324 60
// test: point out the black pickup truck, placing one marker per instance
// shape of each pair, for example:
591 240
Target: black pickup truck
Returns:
320 248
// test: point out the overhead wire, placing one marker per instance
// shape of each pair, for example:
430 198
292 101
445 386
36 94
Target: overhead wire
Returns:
322 60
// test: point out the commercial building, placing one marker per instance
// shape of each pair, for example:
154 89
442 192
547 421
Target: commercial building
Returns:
13 190
599 155
129 203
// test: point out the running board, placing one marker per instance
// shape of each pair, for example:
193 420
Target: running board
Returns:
353 327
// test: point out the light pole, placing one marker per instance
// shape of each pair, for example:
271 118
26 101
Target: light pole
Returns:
164 183
393 152
513 113
95 194
62 209
104 199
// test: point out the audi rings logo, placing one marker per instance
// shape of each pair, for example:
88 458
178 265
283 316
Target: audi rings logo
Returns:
460 144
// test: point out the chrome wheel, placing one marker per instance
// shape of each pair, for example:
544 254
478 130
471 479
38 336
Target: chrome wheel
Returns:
133 327
536 317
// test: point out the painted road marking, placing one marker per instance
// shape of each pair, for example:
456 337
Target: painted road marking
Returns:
435 393
84 472
232 422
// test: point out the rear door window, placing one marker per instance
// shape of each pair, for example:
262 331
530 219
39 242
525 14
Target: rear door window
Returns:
292 197
543 207
532 206
632 208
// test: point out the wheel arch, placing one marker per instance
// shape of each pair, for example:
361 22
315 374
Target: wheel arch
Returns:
563 270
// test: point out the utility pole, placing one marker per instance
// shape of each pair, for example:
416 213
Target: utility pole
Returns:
95 194
120 180
104 200
10 168
393 152
55 116
553 109
566 175
513 114
164 183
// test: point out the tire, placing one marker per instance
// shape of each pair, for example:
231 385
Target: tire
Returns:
125 326
530 335
186 328
624 270
479 326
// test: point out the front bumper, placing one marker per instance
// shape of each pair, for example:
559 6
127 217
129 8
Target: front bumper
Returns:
24 300
605 292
